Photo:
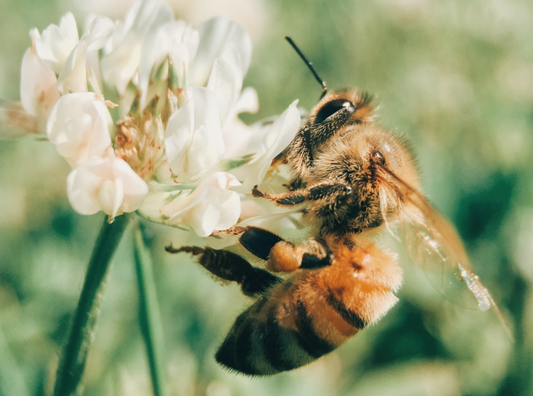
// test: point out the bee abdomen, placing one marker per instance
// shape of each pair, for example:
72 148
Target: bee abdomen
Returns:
349 316
261 347
273 336
309 340
236 352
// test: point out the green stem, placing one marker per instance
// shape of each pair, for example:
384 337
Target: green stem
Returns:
72 363
149 317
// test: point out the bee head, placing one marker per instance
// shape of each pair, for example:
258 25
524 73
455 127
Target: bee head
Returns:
363 156
389 164
381 152
343 108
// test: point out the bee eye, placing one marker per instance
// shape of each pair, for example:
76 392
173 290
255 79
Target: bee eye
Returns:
378 158
331 108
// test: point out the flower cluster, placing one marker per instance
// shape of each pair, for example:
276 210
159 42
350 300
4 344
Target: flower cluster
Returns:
145 111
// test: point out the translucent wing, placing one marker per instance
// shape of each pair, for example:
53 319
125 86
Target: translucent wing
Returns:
434 245
15 122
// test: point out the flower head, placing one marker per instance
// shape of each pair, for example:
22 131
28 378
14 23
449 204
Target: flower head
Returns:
175 149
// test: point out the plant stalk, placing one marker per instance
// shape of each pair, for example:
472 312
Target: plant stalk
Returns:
149 316
74 357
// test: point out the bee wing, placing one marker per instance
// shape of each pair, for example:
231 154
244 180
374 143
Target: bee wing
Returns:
433 244
15 122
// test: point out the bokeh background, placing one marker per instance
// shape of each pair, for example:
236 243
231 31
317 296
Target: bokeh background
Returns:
455 77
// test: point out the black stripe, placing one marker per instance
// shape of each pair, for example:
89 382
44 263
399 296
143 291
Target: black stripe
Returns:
310 261
235 353
226 352
273 337
308 339
243 349
255 308
348 315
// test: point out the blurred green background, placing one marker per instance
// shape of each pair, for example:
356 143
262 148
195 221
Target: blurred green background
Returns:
455 77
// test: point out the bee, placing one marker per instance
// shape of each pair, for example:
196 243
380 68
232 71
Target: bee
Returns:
336 289
352 180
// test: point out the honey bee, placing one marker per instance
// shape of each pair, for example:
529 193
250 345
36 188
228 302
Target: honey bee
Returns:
352 179
337 288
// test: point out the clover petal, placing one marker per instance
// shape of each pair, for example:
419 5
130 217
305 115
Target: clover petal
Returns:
123 52
38 91
212 206
79 127
57 42
221 38
105 184
73 76
193 140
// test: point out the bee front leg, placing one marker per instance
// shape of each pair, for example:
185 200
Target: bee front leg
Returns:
232 267
312 193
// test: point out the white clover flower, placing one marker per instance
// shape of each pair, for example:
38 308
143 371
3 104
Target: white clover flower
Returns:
194 141
265 140
175 41
106 184
224 39
123 50
212 206
209 207
235 131
57 42
38 91
79 127
175 151
73 75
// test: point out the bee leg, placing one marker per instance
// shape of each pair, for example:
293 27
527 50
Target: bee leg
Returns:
284 256
285 199
295 184
310 261
259 241
235 230
231 267
326 189
256 240
300 153
309 138
313 193
287 257
280 159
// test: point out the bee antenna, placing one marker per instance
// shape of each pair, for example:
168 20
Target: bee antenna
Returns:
309 65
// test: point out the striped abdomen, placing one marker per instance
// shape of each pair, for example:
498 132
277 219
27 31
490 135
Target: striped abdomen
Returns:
309 315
